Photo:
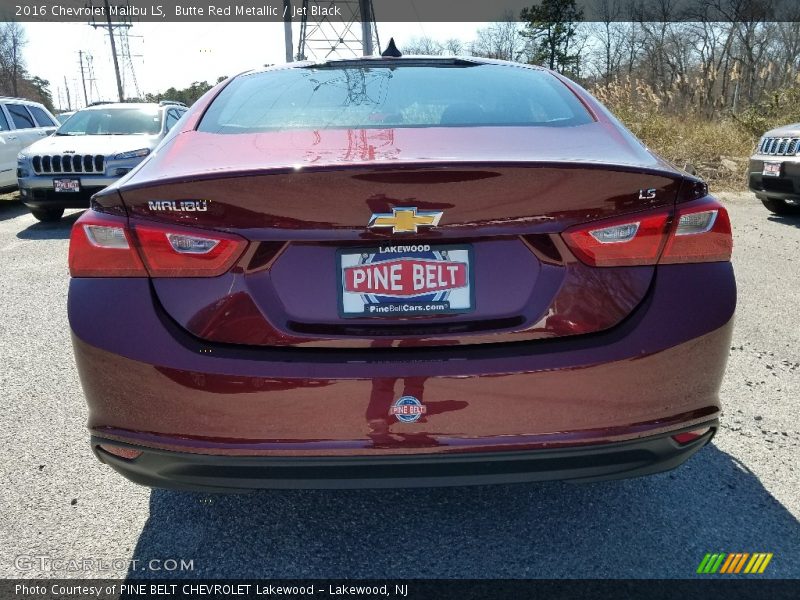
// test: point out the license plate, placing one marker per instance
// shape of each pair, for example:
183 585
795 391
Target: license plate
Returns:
772 169
405 280
67 185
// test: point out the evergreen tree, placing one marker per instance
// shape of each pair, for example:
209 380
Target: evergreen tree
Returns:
551 27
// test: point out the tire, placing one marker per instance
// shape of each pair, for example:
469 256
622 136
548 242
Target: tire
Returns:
47 214
781 207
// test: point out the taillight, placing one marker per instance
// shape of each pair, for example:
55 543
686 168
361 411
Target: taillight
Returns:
104 245
699 231
631 240
169 251
101 246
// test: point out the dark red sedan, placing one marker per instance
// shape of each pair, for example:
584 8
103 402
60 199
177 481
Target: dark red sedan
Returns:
400 272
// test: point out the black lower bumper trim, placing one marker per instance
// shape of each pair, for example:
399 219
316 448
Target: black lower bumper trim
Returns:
784 187
213 472
48 198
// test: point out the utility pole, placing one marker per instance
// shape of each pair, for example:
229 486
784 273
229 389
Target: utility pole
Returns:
114 52
111 27
287 30
83 79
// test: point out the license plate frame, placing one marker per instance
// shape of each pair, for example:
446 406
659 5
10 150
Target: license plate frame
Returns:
772 169
68 185
451 264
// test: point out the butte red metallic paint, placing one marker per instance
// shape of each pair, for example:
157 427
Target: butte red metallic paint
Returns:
417 289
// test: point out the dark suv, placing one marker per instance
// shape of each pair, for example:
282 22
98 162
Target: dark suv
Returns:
774 173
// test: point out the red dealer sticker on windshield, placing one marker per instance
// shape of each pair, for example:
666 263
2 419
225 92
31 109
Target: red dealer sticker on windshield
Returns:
405 280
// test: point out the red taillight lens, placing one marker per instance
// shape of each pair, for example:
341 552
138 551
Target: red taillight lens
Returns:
690 436
169 251
700 231
101 246
106 246
631 240
122 451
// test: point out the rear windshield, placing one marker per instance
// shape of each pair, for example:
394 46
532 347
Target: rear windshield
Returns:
113 121
400 96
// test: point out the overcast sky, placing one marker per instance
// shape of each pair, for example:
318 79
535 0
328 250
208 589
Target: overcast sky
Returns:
177 54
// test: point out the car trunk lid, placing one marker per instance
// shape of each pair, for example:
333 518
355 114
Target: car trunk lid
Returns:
493 260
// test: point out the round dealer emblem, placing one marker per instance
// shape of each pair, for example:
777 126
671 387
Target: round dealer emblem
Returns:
408 409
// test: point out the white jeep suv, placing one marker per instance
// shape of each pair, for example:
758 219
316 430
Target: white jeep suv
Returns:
92 149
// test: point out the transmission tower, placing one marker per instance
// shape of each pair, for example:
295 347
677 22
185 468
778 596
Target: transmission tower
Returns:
94 92
127 61
89 81
352 34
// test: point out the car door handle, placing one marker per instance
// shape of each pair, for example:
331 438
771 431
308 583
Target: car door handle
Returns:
12 137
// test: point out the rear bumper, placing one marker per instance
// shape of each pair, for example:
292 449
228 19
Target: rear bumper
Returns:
151 385
204 472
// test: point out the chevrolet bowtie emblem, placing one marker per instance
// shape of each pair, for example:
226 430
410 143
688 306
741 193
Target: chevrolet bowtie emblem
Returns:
405 219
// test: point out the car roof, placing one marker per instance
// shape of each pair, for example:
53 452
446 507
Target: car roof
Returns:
6 98
391 61
120 105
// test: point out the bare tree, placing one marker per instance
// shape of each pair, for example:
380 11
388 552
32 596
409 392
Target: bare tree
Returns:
454 46
788 49
423 45
12 65
502 40
611 35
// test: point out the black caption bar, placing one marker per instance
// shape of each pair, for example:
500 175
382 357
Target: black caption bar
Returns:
718 588
746 11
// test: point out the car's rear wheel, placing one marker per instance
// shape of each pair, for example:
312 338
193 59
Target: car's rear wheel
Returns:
47 214
781 207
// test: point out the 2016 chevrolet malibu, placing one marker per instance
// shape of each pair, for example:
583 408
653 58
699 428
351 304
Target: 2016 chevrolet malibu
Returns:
400 272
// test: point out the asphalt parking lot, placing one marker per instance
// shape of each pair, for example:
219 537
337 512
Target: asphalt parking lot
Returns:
741 494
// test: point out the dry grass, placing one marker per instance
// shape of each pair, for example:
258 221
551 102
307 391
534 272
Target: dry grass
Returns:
715 149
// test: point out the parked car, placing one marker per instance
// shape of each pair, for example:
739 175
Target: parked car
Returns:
64 116
93 148
22 122
400 272
775 170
